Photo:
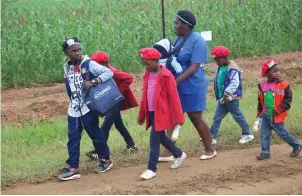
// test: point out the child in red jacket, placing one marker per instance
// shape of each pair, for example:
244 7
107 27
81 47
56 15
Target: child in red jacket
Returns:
161 108
123 81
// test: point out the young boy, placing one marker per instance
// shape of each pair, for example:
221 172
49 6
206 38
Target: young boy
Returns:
228 91
79 116
275 97
160 108
123 81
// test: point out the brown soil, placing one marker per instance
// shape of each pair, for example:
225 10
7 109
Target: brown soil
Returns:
231 172
34 105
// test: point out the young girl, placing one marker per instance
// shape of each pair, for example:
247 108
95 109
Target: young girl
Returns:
123 81
79 116
161 108
275 97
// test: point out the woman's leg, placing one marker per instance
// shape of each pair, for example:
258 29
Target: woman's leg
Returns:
203 131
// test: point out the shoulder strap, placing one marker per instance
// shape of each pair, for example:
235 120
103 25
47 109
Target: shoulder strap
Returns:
85 70
177 50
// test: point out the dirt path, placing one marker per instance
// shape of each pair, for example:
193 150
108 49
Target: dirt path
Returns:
34 105
231 172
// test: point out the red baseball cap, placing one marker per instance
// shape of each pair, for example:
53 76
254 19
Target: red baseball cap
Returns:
150 53
267 65
100 57
220 51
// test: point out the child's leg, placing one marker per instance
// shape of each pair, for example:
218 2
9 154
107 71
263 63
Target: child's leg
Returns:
109 120
74 139
286 136
154 145
220 113
169 145
265 134
234 109
119 125
91 125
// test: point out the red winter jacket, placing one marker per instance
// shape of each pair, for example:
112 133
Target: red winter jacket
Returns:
123 81
168 111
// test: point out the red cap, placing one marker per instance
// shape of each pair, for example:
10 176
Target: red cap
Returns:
220 51
150 53
267 65
100 57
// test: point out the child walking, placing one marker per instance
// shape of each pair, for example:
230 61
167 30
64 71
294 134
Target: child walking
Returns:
79 116
228 91
275 97
160 108
123 81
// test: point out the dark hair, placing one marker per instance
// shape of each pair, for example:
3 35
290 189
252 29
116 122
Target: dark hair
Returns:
65 44
187 17
183 22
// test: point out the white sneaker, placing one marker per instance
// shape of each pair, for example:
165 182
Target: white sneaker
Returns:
178 161
148 174
214 141
246 138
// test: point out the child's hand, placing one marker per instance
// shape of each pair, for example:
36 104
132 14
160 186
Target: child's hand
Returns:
88 84
140 122
225 99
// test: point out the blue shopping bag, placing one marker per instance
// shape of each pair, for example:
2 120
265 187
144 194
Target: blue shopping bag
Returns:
102 97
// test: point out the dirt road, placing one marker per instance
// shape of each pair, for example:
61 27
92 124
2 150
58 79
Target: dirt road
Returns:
231 172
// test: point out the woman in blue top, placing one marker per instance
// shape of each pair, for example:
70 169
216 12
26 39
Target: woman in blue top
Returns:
192 81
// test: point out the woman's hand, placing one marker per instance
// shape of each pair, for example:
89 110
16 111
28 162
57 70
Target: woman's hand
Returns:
188 73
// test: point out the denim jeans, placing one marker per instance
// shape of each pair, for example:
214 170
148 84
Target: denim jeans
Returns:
114 117
75 128
222 110
157 138
267 126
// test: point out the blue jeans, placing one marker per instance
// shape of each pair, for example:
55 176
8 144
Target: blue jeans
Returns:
114 117
75 128
266 128
157 138
222 110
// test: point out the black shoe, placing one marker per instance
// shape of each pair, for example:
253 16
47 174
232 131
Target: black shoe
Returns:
69 174
263 156
92 155
131 149
104 165
296 152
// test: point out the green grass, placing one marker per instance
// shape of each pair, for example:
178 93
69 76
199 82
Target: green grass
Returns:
33 30
40 150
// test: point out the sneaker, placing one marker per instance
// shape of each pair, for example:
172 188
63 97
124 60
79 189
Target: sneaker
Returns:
178 161
263 156
69 174
131 149
214 141
92 155
148 174
246 138
104 165
296 152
